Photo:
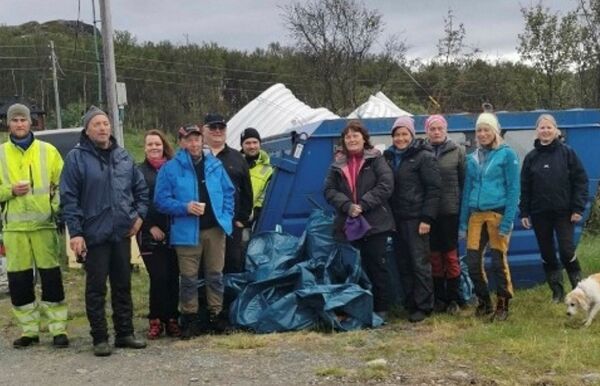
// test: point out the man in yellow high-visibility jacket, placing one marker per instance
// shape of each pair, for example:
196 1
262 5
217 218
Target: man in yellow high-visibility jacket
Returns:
29 177
260 168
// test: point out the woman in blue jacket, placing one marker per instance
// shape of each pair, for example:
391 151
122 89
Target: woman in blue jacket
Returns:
554 191
489 206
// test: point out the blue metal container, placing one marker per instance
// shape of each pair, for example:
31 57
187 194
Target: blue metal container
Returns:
302 158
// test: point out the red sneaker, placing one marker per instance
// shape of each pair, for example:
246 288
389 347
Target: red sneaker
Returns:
155 329
173 328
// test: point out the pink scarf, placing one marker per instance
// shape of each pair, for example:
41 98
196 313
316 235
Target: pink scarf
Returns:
156 163
355 162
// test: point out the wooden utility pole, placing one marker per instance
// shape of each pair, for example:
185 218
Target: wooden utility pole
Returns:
96 50
55 82
110 72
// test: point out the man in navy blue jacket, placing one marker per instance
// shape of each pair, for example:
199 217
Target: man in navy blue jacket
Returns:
104 198
196 191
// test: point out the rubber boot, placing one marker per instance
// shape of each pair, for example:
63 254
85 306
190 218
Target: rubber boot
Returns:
484 306
574 278
453 292
439 291
555 282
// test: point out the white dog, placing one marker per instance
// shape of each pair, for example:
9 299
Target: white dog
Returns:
585 296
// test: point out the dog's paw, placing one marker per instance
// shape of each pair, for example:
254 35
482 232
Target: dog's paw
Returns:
587 323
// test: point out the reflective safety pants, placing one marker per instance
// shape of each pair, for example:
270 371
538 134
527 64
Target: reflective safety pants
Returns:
24 251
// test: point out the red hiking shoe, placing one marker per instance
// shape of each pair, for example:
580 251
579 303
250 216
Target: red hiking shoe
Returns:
155 329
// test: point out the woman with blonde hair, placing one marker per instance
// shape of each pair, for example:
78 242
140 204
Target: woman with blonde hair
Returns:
554 192
489 206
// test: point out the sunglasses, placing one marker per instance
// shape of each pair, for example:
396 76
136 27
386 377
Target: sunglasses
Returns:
216 126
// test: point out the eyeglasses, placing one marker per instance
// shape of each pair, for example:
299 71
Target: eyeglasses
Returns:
216 126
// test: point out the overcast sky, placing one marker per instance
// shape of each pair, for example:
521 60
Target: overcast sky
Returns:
491 25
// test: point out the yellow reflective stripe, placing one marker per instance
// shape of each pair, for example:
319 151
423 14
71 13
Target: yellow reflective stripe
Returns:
265 169
44 168
41 191
4 165
27 216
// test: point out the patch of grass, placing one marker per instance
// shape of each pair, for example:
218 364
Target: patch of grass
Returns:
242 341
334 372
371 373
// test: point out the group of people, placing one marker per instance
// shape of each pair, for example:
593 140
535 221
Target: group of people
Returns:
188 211
427 193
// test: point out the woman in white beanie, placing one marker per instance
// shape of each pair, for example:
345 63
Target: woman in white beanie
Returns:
489 207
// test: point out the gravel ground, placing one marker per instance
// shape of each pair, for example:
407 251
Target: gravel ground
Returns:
277 359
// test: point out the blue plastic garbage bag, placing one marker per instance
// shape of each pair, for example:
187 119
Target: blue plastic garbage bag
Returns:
293 284
269 305
280 250
341 307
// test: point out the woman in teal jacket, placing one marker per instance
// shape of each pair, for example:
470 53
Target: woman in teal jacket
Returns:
489 207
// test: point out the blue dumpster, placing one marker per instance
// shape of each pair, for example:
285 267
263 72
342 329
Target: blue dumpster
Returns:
302 157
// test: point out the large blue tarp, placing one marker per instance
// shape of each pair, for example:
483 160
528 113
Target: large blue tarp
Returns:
293 283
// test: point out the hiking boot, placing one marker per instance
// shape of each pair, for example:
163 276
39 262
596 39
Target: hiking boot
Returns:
219 324
417 316
26 341
484 306
102 349
501 313
60 341
129 341
173 329
453 308
155 329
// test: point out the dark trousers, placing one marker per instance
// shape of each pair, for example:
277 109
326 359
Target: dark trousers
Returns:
412 258
161 263
443 240
545 225
443 236
234 259
110 260
372 257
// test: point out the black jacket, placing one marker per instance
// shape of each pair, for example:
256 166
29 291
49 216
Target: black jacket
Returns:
154 217
553 179
417 183
374 186
101 197
237 169
452 164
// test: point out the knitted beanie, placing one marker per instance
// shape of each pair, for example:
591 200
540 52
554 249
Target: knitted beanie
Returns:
436 118
250 132
91 113
404 121
18 110
490 120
